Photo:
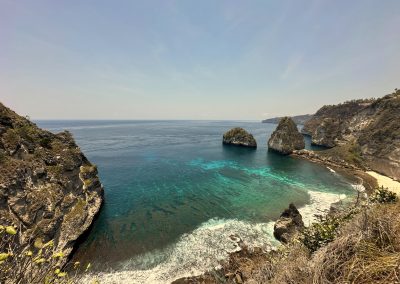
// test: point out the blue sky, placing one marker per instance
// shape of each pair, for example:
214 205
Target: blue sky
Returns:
194 59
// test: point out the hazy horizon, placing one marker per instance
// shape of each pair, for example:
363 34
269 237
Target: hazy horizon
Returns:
194 60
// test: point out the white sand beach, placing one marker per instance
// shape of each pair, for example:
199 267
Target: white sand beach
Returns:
386 182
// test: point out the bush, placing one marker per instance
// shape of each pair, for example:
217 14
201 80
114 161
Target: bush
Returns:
45 142
321 233
383 195
35 263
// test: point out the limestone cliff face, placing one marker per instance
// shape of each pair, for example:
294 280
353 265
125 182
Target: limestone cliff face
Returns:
47 186
239 137
372 125
326 119
286 138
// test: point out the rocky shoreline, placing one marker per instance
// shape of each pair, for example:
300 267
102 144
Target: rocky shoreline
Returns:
341 166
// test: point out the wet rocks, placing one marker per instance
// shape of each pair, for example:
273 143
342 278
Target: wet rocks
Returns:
239 137
286 138
288 224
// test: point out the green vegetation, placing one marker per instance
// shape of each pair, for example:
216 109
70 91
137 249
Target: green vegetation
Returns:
383 195
321 233
45 142
37 263
358 245
76 211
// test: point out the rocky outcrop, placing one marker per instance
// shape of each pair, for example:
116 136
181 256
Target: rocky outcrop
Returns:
289 223
286 138
48 188
336 114
326 159
371 125
239 137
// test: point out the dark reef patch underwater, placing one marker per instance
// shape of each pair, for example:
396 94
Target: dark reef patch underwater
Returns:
174 194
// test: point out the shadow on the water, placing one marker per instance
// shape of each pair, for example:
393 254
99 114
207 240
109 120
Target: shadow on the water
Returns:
87 235
234 150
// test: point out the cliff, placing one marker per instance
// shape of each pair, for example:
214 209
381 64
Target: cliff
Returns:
239 137
298 119
286 138
371 126
47 186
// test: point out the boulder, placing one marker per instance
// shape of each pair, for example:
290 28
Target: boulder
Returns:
239 137
286 138
288 224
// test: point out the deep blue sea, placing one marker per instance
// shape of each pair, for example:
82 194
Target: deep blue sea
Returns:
174 195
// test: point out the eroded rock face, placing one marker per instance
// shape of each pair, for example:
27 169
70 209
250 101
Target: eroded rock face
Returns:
239 137
286 138
47 186
288 224
373 125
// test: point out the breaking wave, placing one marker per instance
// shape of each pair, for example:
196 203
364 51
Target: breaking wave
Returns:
208 245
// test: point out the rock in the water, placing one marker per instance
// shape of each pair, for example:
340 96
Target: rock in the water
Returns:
239 137
288 224
286 137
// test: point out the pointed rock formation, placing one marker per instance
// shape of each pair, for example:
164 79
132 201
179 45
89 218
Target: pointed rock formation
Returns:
286 137
288 224
239 137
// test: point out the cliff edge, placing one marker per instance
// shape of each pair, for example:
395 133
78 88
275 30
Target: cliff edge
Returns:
371 127
48 188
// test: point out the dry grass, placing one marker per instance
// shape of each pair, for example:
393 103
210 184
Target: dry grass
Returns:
367 250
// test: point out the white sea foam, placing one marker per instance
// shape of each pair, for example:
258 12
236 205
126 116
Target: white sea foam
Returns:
204 248
320 204
196 252
331 170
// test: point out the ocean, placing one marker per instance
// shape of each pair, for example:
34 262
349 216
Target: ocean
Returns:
175 196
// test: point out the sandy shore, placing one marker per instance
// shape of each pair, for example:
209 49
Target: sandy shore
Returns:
386 182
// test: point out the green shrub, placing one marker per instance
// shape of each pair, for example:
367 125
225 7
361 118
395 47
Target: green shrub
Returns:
383 195
45 142
321 233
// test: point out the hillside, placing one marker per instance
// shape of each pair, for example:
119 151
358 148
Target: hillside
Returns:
371 126
48 189
298 119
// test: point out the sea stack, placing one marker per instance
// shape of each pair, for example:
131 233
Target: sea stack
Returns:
239 137
286 138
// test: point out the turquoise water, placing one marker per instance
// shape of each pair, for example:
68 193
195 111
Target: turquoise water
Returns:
166 180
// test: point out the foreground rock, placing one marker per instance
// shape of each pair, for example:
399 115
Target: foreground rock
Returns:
239 137
286 138
47 186
288 224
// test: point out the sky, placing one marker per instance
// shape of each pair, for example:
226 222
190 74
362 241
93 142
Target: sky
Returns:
239 60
